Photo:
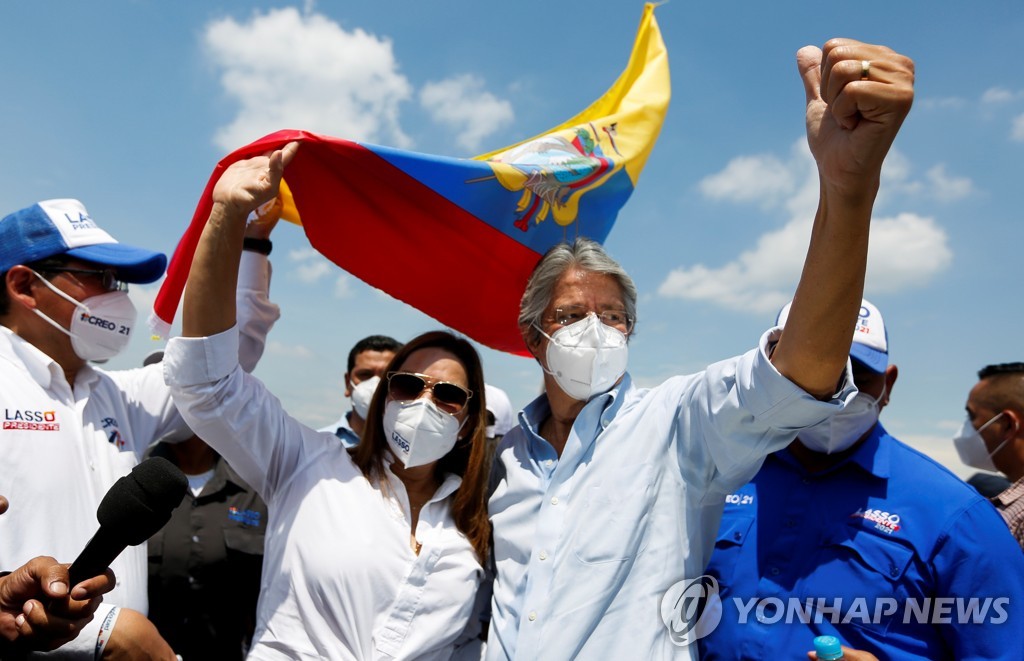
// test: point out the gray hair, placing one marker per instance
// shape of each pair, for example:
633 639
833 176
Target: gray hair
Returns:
583 253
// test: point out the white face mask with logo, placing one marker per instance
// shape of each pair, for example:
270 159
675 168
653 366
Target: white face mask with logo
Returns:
587 357
418 432
362 393
845 428
100 327
971 446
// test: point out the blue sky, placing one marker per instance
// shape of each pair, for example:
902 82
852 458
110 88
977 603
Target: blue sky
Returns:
129 105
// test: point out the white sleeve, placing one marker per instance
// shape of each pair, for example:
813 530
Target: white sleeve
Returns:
743 409
235 413
149 401
256 312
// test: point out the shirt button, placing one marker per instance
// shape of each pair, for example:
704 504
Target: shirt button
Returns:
191 580
894 571
549 463
554 500
790 523
543 555
533 615
195 539
774 571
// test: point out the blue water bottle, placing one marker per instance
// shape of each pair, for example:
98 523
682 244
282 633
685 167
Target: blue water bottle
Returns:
827 648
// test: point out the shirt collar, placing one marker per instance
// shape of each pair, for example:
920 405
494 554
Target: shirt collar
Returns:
872 456
1012 493
531 417
42 368
448 486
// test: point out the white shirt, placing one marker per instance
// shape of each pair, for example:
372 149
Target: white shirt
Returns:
587 544
64 447
340 580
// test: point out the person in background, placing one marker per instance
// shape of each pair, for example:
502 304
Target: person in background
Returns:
72 429
38 611
373 552
366 363
607 494
849 515
992 437
205 564
501 416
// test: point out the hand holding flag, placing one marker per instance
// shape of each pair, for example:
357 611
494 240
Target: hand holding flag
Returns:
489 218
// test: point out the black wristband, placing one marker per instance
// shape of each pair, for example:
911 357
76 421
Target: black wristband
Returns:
262 246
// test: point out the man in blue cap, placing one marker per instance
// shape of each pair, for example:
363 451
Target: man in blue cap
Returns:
848 532
70 430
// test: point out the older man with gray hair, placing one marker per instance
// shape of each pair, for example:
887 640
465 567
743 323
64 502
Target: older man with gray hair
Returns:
608 496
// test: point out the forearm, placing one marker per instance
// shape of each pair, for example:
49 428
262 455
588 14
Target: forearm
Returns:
209 305
813 350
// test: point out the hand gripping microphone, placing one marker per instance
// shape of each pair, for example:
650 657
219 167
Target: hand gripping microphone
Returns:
136 507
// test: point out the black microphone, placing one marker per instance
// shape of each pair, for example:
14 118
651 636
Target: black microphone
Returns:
132 511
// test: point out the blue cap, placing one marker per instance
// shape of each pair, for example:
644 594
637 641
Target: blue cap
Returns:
64 227
870 343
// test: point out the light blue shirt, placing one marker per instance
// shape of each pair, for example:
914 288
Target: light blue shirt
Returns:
586 544
343 430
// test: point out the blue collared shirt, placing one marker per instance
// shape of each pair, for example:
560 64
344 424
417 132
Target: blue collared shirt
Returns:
871 541
586 544
343 430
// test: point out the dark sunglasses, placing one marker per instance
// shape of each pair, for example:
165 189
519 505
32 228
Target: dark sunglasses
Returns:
108 276
407 386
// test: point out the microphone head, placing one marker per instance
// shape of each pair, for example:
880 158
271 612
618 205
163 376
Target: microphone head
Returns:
140 503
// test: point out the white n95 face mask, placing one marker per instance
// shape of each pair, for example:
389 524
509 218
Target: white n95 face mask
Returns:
971 446
101 327
845 428
587 357
362 393
418 432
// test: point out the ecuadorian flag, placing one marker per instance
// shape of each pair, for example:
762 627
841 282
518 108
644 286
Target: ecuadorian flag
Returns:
482 222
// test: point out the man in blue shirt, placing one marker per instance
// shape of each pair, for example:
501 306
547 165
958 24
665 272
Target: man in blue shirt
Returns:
367 361
850 533
607 496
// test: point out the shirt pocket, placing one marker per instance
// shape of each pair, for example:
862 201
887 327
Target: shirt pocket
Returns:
732 536
243 540
611 525
869 569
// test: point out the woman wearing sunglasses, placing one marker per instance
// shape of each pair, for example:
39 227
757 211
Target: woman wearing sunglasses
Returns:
374 554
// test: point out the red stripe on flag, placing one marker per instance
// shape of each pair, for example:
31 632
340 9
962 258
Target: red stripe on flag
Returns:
427 251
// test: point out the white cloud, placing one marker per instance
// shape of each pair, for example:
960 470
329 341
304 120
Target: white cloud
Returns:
761 178
288 350
343 287
948 188
311 265
462 104
1017 132
304 71
905 251
999 95
943 102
